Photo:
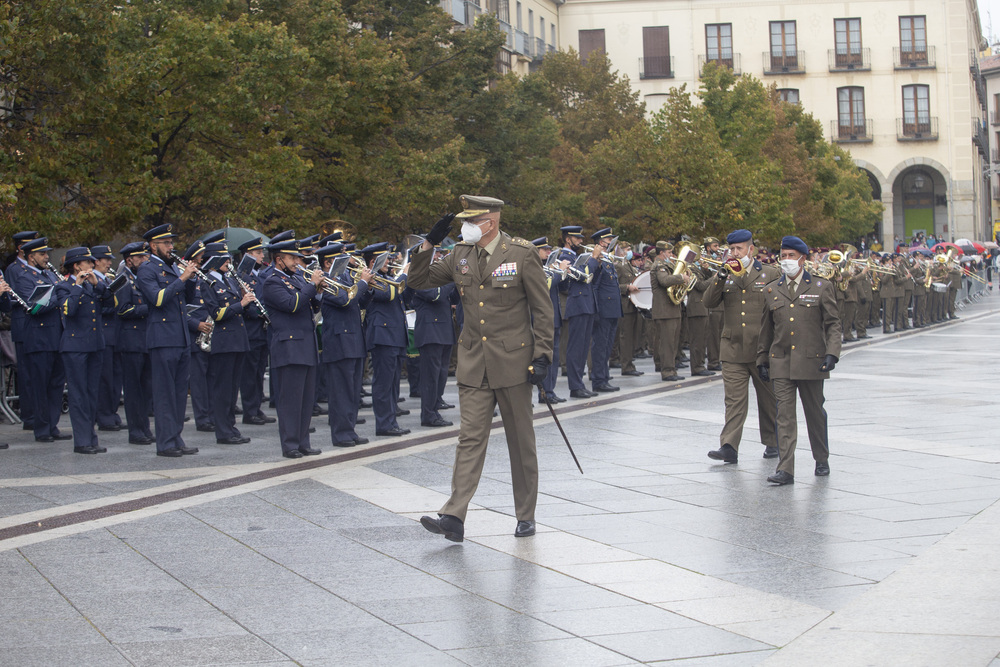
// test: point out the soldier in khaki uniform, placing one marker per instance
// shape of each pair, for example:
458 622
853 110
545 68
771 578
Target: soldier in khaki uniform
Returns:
743 299
508 330
955 276
628 329
800 339
919 293
716 314
666 314
697 318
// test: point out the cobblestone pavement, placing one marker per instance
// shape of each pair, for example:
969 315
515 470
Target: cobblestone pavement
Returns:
656 553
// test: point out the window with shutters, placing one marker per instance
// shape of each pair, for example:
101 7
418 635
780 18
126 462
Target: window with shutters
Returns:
851 112
912 39
847 38
783 47
590 41
655 62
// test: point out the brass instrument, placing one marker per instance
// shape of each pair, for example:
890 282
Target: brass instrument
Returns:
204 339
687 253
820 269
331 286
614 259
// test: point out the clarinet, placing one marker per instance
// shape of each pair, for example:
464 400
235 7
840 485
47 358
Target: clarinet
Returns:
16 296
246 288
181 262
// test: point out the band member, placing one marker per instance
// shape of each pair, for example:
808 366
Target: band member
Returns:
18 326
82 344
290 301
572 239
199 321
607 294
800 339
743 299
385 336
629 326
697 318
255 361
226 302
344 347
666 314
505 347
581 307
109 393
434 336
133 311
162 285
42 335
557 294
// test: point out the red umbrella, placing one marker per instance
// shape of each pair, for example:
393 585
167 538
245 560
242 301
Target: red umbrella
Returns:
943 247
980 248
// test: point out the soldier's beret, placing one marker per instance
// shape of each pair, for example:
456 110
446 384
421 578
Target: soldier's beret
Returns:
739 236
794 243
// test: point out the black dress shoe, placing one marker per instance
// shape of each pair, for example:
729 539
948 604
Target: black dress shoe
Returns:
702 373
822 468
294 454
85 450
449 526
682 365
402 413
238 410
256 420
770 452
312 429
141 441
27 426
187 450
362 404
715 367
632 373
4 445
867 336
726 454
361 441
99 450
61 436
671 378
850 340
319 411
581 393
172 453
309 451
614 365
393 431
437 422
235 440
556 399
345 443
781 478
414 394
606 388
113 427
187 418
46 438
206 428
400 399
524 529
360 420
444 406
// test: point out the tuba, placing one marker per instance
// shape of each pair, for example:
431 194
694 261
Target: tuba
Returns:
687 254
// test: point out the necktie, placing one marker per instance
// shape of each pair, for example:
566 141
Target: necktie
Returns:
791 288
484 258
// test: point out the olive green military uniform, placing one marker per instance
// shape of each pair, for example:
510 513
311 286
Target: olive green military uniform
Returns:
697 318
796 334
919 296
666 317
743 300
508 322
955 275
628 325
848 305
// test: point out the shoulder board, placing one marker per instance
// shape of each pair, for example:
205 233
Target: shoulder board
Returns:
465 243
517 240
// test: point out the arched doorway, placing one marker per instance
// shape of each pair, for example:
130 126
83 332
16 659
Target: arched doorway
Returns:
918 203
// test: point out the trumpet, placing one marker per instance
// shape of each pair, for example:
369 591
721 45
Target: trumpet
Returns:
873 266
330 285
734 265
183 263
614 259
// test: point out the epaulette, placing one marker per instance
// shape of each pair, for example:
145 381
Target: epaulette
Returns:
522 242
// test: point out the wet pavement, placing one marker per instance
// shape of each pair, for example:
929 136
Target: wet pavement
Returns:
656 553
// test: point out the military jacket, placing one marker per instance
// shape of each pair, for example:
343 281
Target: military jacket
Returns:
661 277
80 307
108 309
132 313
385 316
164 291
797 334
18 318
626 275
226 310
580 299
607 291
433 311
342 331
42 329
743 300
289 301
696 295
508 311
253 320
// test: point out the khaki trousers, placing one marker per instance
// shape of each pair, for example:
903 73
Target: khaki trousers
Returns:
668 343
811 393
697 342
476 405
715 318
736 379
628 340
847 314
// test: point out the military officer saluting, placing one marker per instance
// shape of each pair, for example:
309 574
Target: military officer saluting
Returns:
133 310
800 340
504 348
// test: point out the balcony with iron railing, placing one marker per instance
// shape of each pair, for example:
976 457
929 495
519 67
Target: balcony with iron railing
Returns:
995 154
538 48
917 129
996 191
978 82
656 67
726 59
850 60
793 62
859 132
464 12
521 43
508 31
910 58
980 137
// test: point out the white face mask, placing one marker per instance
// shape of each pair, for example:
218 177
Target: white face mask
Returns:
790 267
745 261
471 232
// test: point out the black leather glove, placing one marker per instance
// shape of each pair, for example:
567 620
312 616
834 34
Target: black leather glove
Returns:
829 364
440 229
538 370
764 372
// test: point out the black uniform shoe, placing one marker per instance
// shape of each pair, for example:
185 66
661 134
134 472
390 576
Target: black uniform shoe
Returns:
113 427
238 410
319 411
4 445
443 406
363 404
312 429
556 399
437 422
309 451
172 453
188 450
27 426
715 367
581 393
524 529
85 450
632 373
702 373
61 436
393 431
400 399
682 365
345 443
606 388
781 478
206 428
414 394
360 420
671 378
256 420
141 441
294 454
726 454
45 438
361 441
235 440
402 413
449 526
770 452
822 468
99 450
